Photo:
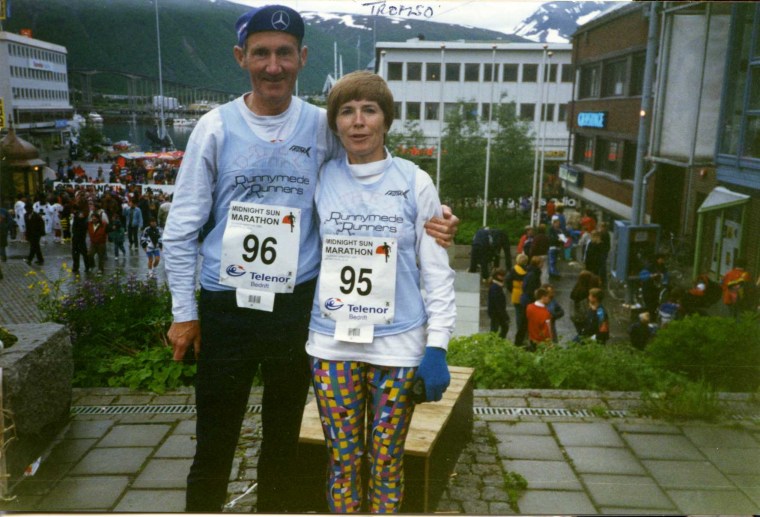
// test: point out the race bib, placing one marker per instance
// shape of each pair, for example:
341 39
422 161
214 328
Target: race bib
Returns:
357 283
260 248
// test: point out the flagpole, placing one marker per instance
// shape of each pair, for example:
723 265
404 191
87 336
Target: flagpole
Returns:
440 124
488 145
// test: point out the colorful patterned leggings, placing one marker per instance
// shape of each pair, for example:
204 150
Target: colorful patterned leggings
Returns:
351 395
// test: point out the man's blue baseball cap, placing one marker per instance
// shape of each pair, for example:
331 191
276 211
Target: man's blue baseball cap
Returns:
269 18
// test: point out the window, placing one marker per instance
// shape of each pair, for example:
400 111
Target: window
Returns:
472 72
530 73
431 110
636 85
589 86
547 113
527 112
488 75
584 150
561 112
550 73
629 161
614 78
485 110
397 110
566 76
470 111
509 73
608 156
395 71
414 71
432 71
412 111
452 72
450 108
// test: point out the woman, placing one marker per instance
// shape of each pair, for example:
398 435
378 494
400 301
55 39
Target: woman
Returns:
531 282
579 296
514 282
372 207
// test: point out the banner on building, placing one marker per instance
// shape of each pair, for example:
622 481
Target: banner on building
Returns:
5 9
2 113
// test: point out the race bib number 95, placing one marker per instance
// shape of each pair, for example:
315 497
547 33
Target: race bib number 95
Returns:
357 282
260 247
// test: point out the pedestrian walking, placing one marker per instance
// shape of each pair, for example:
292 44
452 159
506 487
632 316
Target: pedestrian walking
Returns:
96 230
151 241
497 303
35 231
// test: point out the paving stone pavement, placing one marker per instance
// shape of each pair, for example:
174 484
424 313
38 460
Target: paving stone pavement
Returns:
580 452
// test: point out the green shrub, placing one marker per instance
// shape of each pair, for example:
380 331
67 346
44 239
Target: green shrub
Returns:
691 400
472 218
499 364
721 352
593 366
118 328
152 369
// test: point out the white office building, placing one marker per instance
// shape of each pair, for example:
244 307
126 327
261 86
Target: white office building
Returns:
34 88
423 75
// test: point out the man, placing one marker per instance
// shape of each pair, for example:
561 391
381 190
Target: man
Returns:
247 161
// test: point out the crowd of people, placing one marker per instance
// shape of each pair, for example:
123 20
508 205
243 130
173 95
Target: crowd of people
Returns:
528 284
88 221
121 171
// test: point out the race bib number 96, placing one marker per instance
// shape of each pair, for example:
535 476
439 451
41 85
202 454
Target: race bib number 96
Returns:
357 282
260 247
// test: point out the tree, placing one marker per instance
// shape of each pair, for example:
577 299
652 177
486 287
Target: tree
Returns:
463 158
512 155
410 144
91 140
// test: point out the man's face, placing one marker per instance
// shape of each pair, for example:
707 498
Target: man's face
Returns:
273 61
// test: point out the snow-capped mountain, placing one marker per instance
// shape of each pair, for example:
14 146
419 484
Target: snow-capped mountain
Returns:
555 22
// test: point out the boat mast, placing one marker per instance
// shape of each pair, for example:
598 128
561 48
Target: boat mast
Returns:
162 130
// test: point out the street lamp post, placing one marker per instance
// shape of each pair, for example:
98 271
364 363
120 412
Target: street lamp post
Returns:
536 149
488 144
544 121
440 124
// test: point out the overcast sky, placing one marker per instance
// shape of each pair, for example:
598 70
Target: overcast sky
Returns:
497 15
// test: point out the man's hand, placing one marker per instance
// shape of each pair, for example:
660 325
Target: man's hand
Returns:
443 229
184 337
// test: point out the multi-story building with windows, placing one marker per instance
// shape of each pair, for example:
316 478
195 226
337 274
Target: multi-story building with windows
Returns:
425 75
34 88
609 54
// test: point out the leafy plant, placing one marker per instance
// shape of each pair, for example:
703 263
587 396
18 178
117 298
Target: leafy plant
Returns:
693 400
514 485
721 352
152 369
499 364
115 322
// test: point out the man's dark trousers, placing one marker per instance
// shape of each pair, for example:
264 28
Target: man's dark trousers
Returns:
237 342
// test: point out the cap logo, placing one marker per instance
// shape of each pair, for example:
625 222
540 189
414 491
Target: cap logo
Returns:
280 20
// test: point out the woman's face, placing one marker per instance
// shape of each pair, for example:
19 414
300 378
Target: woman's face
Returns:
361 129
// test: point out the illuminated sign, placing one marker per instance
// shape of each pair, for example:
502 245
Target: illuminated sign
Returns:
595 119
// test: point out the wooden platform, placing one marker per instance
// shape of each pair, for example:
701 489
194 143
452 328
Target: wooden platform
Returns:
438 433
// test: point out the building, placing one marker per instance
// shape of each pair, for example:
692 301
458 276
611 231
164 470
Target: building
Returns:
729 220
701 173
608 54
423 74
34 88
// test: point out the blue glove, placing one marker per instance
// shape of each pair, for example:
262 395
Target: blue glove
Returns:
434 373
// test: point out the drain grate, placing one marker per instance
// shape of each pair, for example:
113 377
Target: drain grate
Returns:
176 409
523 411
